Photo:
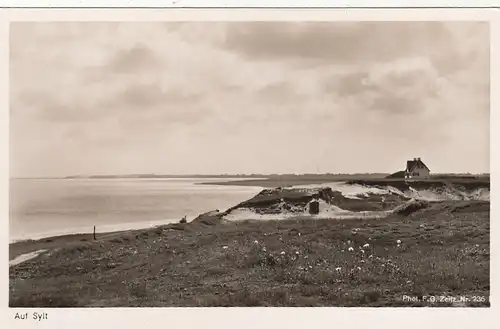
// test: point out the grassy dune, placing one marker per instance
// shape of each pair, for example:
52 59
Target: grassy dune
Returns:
444 250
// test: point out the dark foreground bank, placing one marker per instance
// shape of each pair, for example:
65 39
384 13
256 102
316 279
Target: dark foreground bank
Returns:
443 250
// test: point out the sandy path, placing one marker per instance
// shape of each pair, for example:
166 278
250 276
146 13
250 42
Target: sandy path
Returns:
24 257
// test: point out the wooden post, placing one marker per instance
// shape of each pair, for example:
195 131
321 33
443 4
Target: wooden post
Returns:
94 232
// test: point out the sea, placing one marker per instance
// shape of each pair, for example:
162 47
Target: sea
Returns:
49 207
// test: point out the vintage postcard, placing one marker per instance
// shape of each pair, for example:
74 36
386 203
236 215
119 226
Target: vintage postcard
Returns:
240 160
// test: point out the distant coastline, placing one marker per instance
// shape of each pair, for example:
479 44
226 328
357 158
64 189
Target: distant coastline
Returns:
221 176
260 176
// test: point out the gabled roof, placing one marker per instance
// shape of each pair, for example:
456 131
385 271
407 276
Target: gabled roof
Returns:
412 164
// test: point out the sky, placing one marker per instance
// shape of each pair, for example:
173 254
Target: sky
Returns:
247 97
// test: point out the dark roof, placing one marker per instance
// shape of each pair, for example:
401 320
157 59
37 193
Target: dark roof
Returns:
411 164
398 174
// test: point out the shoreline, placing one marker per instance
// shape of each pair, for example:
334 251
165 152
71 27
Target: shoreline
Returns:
265 183
21 247
104 229
274 182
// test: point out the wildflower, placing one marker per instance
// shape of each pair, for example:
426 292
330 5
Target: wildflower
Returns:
398 242
362 261
350 249
264 249
359 268
299 233
337 269
371 256
282 252
349 241
225 247
310 266
296 252
362 251
256 241
366 245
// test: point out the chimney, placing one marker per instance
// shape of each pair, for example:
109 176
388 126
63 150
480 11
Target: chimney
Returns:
414 159
418 159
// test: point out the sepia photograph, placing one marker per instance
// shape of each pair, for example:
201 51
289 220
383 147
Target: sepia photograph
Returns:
249 164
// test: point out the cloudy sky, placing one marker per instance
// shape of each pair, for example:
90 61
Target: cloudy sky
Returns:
249 97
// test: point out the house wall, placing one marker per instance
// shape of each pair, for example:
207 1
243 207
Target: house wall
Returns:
420 173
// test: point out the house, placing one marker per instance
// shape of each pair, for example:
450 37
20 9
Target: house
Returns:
416 169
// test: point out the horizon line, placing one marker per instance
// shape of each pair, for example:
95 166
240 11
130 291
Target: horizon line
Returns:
229 175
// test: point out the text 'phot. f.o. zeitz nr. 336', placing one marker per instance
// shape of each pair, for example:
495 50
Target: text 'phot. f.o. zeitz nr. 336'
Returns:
248 163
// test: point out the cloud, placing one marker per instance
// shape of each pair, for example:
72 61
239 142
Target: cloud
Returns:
135 59
340 42
166 92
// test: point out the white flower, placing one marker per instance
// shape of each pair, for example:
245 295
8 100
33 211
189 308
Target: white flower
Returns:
366 245
296 252
359 268
225 247
256 241
398 242
350 249
282 252
371 256
264 249
362 251
337 269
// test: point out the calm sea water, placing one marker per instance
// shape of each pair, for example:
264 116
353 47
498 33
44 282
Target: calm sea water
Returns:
40 208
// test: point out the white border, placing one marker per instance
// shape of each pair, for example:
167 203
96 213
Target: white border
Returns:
250 3
247 317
